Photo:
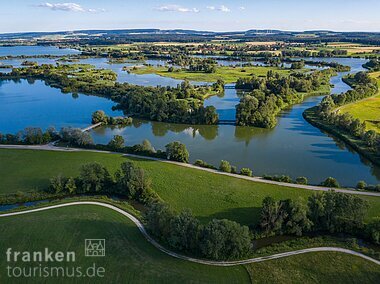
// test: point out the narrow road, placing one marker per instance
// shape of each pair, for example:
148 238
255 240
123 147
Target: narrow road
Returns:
142 229
51 147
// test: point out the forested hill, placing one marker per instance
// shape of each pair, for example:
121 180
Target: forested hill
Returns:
110 36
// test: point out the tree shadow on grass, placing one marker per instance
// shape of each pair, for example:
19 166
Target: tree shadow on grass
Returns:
248 216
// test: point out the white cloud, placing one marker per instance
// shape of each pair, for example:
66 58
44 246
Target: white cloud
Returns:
68 7
221 8
241 8
177 8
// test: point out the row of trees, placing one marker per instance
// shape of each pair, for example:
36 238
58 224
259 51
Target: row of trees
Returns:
100 116
270 95
329 211
218 239
30 136
129 181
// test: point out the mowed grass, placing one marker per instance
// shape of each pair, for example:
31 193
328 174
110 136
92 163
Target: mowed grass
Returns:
367 110
129 257
320 267
208 195
228 74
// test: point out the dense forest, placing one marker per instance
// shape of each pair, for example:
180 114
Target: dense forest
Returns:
266 97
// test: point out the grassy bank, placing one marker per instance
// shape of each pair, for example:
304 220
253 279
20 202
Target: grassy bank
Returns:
367 110
208 195
227 74
356 143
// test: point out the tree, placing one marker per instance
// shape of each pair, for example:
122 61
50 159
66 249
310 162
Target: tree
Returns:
361 185
99 116
132 182
373 230
337 212
116 143
301 180
225 166
57 183
272 215
246 172
330 182
95 178
296 220
158 218
147 146
176 151
184 233
224 239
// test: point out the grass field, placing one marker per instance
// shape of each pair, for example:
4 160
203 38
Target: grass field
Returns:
321 267
131 259
207 195
367 110
228 74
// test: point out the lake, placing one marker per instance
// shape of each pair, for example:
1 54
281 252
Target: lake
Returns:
293 147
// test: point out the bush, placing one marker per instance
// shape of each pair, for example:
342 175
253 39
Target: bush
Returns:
176 151
361 185
246 172
234 170
301 180
116 143
330 182
225 166
203 164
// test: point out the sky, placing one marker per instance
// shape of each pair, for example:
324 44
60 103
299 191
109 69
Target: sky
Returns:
207 15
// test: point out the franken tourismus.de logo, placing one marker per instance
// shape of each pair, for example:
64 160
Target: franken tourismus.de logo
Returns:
95 247
49 263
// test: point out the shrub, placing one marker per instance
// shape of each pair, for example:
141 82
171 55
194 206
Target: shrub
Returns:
116 143
301 180
361 185
203 164
246 172
330 182
234 170
176 151
225 166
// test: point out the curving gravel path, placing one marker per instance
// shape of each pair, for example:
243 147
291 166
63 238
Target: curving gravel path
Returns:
141 227
51 147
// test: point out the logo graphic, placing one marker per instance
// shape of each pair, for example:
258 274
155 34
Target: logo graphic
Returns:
95 247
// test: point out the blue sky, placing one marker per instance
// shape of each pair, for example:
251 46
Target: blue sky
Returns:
224 15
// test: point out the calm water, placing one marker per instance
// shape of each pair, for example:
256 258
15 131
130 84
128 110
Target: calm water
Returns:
24 104
293 147
35 50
